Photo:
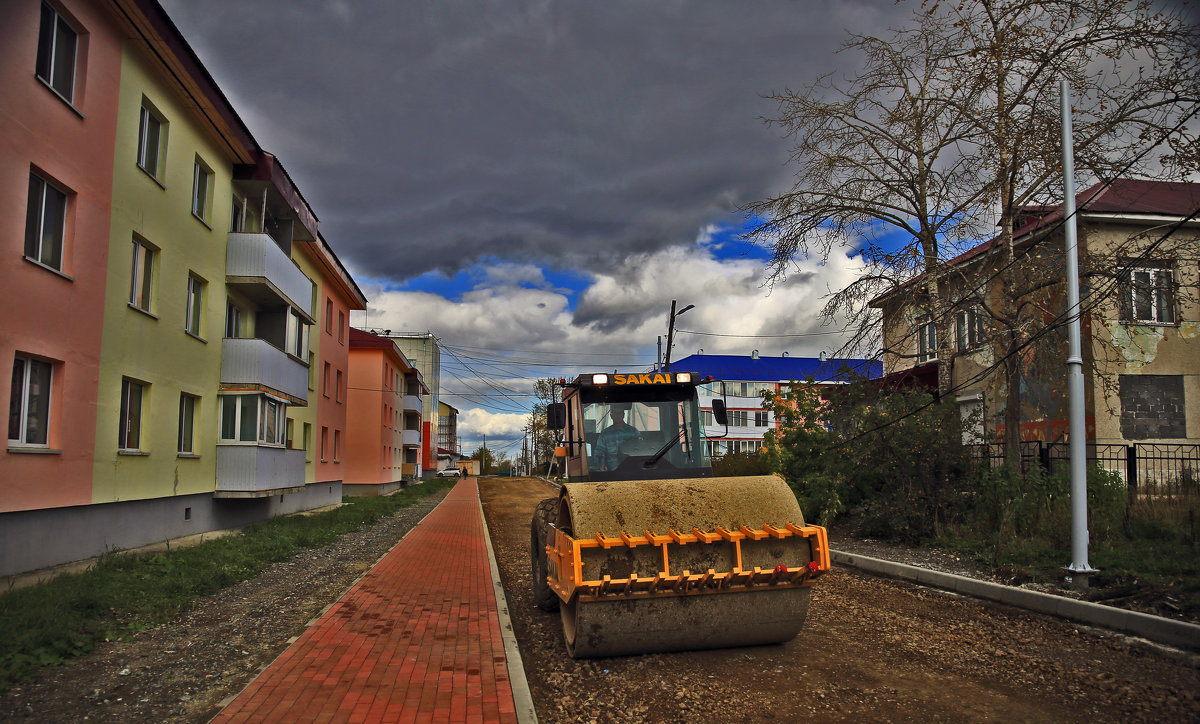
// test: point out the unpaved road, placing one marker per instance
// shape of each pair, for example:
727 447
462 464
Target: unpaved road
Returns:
871 650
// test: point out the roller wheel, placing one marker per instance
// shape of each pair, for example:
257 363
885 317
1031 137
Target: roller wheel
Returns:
543 596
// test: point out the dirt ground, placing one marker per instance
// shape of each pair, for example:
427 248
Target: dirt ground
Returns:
872 649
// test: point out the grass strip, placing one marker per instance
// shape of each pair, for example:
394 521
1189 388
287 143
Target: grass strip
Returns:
46 624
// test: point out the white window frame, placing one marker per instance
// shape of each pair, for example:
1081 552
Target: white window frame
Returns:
36 222
297 335
187 423
133 403
24 397
141 275
1158 280
269 423
202 191
151 148
50 58
194 318
762 418
926 341
233 319
968 329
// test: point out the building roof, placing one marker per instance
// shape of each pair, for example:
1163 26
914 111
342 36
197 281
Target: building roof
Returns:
744 368
1125 196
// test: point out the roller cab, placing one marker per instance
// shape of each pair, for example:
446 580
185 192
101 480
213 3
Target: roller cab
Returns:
651 553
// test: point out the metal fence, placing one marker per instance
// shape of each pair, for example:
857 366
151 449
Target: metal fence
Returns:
1161 469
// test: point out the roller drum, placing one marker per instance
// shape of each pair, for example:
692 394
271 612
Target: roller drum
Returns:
617 625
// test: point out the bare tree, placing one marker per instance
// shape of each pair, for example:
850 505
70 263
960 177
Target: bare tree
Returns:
950 130
541 438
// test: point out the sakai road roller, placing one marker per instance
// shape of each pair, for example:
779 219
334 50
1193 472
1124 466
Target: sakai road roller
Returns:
644 550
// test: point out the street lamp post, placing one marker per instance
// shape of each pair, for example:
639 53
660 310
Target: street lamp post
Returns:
671 333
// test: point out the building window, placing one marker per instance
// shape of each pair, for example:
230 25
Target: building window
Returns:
195 305
760 418
337 446
1148 295
141 275
130 429
706 417
968 329
328 316
29 405
324 443
152 140
307 441
202 188
337 391
57 45
45 223
325 381
312 372
341 328
739 418
233 319
253 418
926 342
237 216
297 335
187 423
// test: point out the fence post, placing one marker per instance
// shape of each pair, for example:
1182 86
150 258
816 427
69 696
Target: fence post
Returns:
1131 467
1044 455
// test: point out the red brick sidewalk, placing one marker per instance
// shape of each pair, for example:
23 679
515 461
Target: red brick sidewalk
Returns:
417 639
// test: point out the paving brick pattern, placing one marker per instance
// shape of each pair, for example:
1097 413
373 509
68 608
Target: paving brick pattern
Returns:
417 639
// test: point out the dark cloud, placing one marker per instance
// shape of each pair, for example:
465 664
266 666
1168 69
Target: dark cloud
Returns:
430 134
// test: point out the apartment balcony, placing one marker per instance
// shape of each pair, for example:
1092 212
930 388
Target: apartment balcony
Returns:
408 470
258 363
412 403
411 438
258 268
256 471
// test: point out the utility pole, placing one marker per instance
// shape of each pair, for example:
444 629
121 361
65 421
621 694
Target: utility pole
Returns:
1078 430
671 333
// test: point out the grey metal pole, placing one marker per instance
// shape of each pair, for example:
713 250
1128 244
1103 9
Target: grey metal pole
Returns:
1077 425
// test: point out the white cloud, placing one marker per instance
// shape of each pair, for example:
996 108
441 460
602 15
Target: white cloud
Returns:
502 336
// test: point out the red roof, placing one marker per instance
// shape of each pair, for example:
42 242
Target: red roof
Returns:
1122 196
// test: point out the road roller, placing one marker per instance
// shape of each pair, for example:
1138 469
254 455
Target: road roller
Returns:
644 550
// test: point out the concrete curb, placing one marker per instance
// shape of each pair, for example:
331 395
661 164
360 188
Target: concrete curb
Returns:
1155 628
522 697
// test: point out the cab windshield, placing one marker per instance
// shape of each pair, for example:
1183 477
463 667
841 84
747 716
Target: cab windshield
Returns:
642 427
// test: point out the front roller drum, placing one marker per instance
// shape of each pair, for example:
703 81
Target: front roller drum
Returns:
614 627
607 622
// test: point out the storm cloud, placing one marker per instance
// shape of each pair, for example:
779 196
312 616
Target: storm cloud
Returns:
431 135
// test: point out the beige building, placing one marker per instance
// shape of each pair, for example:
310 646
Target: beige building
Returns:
1138 244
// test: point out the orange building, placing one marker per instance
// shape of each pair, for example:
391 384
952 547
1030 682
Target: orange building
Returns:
384 400
57 134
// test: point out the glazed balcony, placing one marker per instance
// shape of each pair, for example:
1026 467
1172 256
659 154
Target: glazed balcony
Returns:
259 269
411 438
412 403
253 471
257 363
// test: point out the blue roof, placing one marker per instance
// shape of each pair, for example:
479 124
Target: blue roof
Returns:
774 369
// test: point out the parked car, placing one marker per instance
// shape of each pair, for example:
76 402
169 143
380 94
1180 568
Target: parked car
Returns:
449 473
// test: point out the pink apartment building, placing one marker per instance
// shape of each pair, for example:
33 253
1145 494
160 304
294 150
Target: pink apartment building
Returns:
59 80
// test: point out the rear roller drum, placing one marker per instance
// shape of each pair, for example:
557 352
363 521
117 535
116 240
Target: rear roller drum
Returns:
543 596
